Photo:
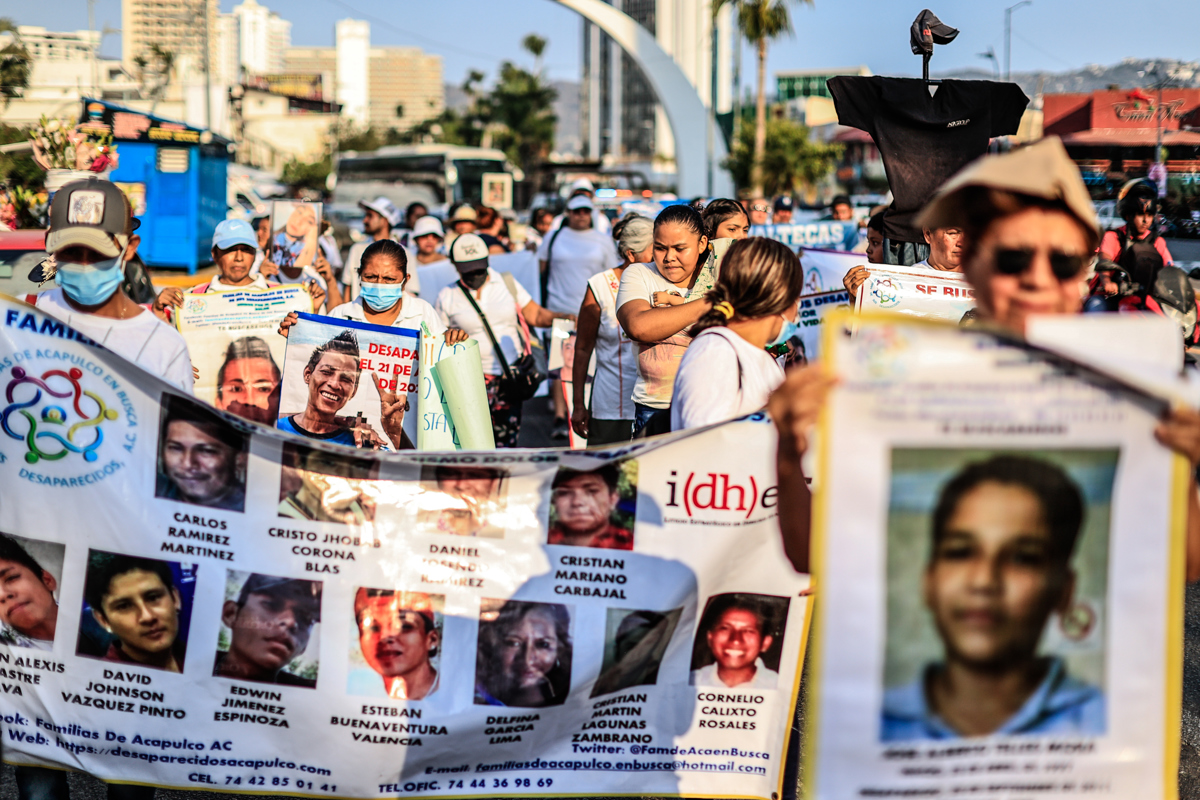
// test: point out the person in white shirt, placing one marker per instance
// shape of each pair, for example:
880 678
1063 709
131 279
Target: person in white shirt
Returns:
500 299
90 251
610 418
428 237
569 257
582 187
379 217
727 371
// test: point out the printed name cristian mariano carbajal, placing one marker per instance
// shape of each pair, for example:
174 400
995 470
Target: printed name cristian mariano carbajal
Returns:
66 420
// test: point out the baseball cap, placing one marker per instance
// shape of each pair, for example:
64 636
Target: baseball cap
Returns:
232 232
579 201
582 184
783 203
90 213
469 253
307 592
383 207
462 213
427 225
415 602
1041 170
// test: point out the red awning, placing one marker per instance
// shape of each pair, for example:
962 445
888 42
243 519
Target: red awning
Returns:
1130 137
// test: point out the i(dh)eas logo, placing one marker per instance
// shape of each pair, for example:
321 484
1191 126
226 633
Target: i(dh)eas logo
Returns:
54 415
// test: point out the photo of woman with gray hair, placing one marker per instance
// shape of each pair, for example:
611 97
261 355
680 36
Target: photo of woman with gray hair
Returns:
524 654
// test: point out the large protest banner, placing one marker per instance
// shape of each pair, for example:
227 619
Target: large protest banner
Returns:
826 233
234 344
314 628
338 366
813 311
932 294
999 544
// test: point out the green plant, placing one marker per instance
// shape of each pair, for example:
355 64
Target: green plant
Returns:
789 161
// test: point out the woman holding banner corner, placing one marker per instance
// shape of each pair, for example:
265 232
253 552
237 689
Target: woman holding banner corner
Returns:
1030 232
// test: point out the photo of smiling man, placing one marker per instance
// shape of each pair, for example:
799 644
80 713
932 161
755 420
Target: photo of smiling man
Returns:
201 458
399 639
267 625
462 500
30 572
1013 542
139 605
739 641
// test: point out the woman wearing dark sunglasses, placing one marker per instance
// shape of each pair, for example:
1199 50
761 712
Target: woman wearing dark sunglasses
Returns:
1031 231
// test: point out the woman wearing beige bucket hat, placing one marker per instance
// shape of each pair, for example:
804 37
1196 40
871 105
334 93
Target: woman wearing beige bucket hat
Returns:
1031 233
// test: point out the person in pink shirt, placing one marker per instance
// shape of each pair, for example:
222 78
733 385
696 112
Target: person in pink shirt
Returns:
1135 245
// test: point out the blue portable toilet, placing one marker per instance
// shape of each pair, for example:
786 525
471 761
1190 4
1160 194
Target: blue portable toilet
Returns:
175 176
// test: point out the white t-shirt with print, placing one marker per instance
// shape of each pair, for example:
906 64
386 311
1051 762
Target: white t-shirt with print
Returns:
575 257
413 311
497 303
707 385
144 340
657 362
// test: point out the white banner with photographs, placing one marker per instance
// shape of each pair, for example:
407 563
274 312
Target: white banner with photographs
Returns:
1000 542
196 601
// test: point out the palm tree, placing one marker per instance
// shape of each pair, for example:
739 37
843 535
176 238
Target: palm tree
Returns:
760 21
535 45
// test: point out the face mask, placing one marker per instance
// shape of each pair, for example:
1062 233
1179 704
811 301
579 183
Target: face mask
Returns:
786 331
473 280
381 296
90 284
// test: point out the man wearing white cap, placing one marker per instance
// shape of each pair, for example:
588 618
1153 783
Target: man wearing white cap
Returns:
428 236
379 217
91 237
461 221
483 299
582 186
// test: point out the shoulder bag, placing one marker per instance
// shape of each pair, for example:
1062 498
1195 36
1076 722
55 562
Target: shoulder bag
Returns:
521 379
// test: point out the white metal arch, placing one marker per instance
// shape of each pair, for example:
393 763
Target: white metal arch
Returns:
684 108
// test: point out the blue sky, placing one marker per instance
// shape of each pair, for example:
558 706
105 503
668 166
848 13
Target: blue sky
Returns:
1050 35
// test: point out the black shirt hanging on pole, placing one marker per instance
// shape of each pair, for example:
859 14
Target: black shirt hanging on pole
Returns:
924 140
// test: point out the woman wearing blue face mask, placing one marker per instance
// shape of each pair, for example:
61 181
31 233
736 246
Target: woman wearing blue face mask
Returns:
726 371
382 275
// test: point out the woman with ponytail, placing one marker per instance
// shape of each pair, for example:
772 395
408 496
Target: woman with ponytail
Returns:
727 372
658 302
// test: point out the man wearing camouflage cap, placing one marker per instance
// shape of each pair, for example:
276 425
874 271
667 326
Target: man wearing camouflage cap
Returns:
270 623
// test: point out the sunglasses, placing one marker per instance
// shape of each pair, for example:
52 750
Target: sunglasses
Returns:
1015 261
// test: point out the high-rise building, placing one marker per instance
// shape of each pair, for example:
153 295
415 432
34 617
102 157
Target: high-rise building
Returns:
353 38
44 45
263 36
620 116
387 87
226 58
176 26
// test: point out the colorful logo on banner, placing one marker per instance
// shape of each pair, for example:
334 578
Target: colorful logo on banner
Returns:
54 415
885 293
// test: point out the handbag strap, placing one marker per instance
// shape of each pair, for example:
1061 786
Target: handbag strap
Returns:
511 284
487 327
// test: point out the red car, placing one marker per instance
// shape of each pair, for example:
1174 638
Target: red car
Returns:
21 251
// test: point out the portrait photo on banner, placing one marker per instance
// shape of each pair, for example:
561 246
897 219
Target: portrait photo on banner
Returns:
739 641
523 655
997 563
398 651
270 630
136 610
635 642
30 582
462 500
596 508
337 376
241 374
295 227
319 486
201 457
